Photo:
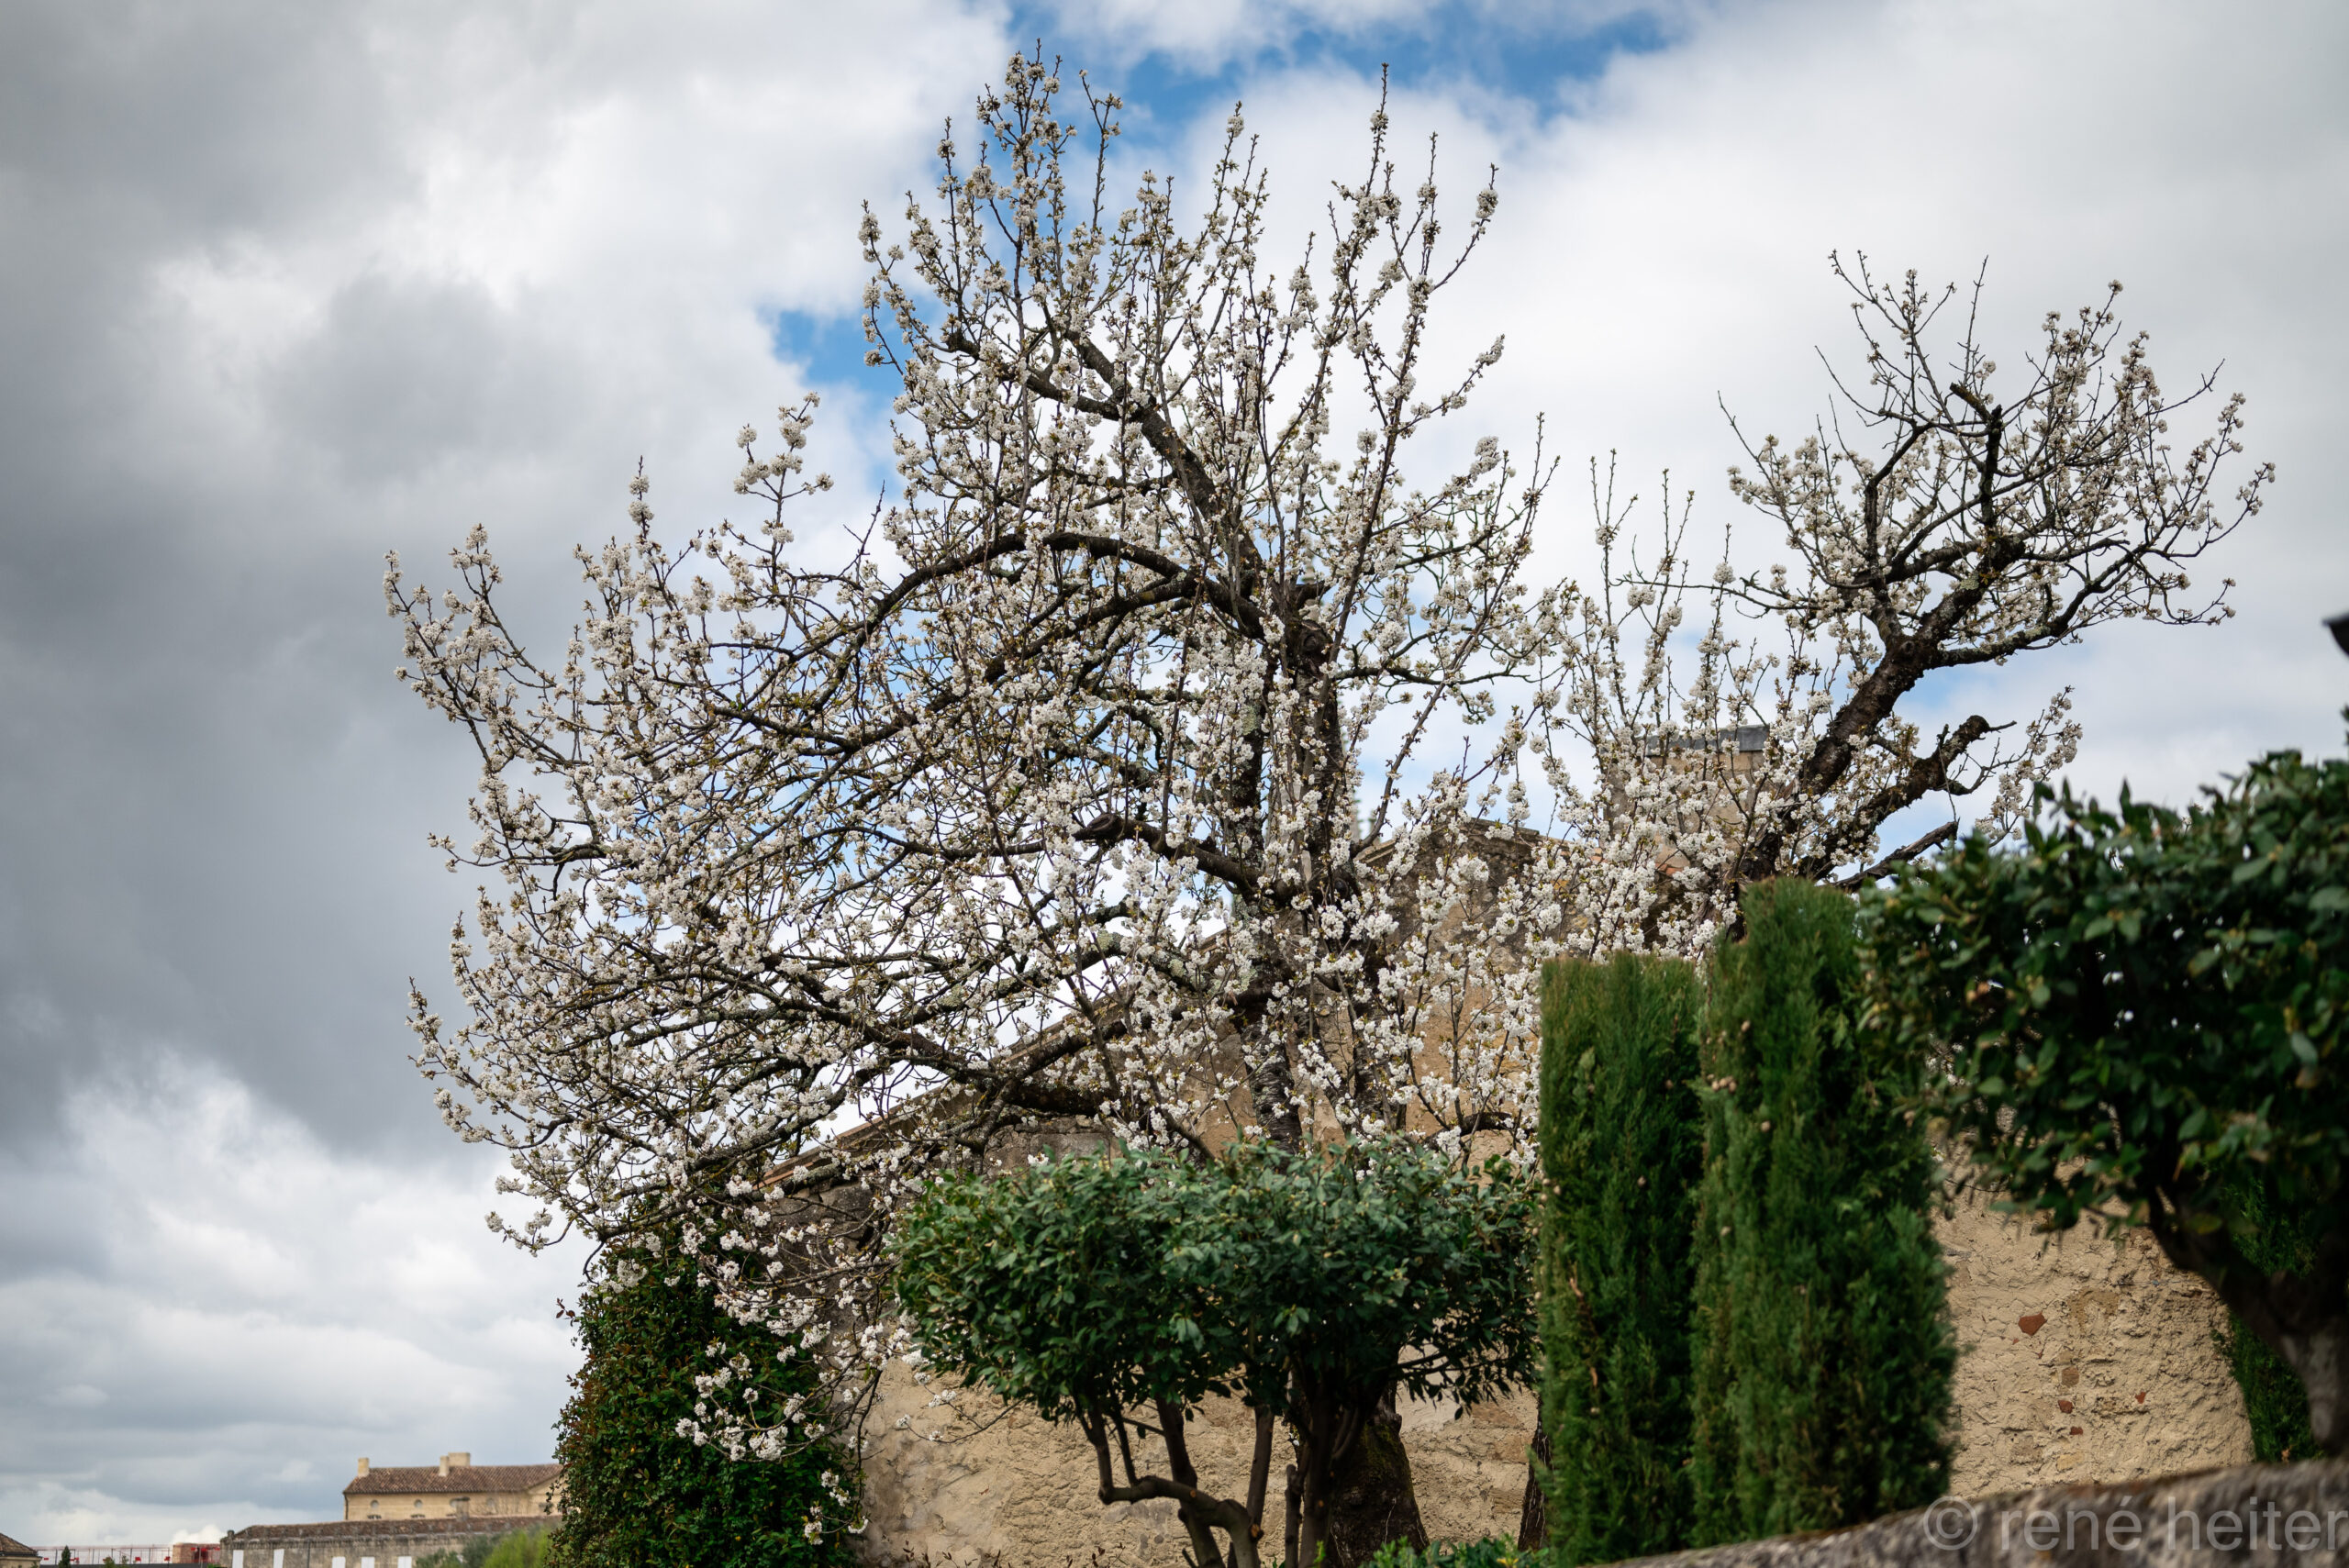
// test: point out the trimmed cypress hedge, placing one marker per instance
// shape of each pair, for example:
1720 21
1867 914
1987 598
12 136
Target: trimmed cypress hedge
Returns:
1620 1155
1822 1351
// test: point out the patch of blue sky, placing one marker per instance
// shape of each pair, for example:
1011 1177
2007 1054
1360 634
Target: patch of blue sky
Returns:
1533 58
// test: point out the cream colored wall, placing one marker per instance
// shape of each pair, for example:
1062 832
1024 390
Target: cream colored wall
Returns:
2116 1322
436 1505
1010 1488
2121 1337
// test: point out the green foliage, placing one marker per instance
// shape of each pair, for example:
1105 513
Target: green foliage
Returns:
1310 1285
2142 1011
1822 1357
1622 1146
1051 1287
517 1549
636 1494
1100 1283
473 1552
1490 1553
2276 1402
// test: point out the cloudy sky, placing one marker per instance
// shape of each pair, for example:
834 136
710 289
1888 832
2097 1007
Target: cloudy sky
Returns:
285 285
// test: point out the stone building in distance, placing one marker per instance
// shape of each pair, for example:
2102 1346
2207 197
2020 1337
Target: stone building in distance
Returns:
456 1488
394 1514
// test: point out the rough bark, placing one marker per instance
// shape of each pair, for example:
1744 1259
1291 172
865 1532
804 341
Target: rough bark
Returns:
1371 1499
1533 1514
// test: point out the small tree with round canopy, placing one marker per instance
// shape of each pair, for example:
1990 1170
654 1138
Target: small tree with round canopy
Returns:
1314 1285
2141 1012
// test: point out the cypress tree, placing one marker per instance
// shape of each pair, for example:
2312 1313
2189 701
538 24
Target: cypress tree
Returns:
1620 1144
1822 1350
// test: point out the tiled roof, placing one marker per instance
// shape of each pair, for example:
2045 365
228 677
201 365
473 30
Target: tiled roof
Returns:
11 1547
425 1479
378 1530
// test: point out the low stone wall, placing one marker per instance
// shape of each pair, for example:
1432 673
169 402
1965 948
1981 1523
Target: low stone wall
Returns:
362 1543
2080 1360
2266 1514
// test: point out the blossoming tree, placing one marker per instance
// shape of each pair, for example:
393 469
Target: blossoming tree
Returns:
1099 784
1166 758
1940 518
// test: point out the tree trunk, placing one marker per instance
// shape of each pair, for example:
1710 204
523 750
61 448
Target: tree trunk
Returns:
1370 1500
1533 1514
1292 1507
2321 1357
2299 1315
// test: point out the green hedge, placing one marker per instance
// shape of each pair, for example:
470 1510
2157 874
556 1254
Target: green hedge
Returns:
1823 1353
1620 1155
636 1494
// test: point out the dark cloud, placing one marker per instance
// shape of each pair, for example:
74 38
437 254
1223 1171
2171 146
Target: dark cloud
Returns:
283 287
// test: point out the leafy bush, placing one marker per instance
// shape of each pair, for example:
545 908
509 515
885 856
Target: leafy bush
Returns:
473 1553
1822 1356
1622 1144
517 1549
636 1494
1088 1290
2142 1011
1490 1553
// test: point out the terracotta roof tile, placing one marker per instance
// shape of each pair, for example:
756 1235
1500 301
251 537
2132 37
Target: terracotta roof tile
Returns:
426 1480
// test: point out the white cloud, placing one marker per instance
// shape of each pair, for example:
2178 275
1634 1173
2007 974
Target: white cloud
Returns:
1666 243
287 286
253 1291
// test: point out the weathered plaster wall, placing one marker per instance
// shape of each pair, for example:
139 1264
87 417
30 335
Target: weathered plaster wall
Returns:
2112 1331
2081 1358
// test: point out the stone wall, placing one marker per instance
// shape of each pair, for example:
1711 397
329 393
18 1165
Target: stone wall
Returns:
2275 1516
2080 1360
361 1543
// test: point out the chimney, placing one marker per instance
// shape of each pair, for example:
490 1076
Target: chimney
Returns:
362 1467
452 1460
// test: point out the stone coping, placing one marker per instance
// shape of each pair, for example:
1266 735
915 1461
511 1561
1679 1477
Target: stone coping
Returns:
368 1530
2253 1514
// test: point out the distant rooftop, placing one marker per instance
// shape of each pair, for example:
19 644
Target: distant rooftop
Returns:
455 1473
